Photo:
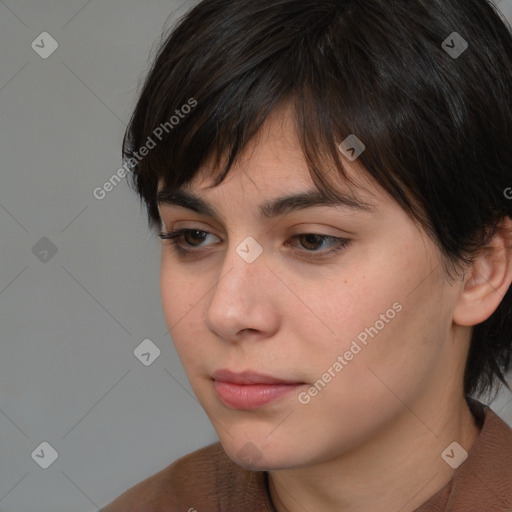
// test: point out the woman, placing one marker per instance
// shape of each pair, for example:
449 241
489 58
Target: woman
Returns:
331 182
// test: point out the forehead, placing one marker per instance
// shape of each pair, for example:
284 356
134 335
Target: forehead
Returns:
275 168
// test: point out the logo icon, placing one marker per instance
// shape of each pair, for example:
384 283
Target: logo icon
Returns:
44 45
44 250
454 455
249 454
455 45
45 455
249 250
147 352
352 147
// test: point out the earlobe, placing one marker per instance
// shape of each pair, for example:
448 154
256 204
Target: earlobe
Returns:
488 279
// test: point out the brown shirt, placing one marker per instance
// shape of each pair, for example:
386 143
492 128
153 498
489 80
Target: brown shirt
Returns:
208 481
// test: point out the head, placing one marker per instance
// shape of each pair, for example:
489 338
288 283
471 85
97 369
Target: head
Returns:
407 288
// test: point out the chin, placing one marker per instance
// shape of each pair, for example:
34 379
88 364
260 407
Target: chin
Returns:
261 456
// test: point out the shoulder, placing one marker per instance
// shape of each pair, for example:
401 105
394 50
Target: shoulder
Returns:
205 479
492 455
482 482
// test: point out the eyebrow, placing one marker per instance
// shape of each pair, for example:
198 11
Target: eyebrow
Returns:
270 209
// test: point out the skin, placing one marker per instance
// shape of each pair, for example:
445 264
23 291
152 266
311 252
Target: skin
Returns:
375 433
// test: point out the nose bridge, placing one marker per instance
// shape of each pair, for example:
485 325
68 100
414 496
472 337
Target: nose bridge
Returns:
239 289
242 268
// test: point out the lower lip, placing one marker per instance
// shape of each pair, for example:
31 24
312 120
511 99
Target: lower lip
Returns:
251 396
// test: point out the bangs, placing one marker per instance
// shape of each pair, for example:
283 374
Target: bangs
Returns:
331 96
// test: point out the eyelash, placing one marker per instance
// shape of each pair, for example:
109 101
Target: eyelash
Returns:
174 237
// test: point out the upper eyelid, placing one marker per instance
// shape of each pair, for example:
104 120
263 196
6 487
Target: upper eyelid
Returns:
303 231
331 224
181 232
340 244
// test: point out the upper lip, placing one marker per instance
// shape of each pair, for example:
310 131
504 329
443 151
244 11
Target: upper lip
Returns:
249 377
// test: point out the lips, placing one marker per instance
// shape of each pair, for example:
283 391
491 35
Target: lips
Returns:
249 377
250 390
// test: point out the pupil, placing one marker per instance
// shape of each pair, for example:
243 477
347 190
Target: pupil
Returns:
312 239
197 235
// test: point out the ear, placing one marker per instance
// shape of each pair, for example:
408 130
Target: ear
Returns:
488 279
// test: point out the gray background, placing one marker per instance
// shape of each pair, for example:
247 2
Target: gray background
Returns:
70 321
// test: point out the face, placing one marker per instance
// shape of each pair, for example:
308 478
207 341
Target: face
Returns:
349 307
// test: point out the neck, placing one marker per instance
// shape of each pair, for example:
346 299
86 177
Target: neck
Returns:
399 469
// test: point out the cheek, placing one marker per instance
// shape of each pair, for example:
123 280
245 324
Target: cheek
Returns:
182 308
387 317
359 308
181 288
397 360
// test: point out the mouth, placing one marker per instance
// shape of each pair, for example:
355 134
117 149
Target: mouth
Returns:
250 390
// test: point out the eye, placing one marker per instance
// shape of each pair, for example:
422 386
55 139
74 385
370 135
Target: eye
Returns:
192 238
313 240
310 241
186 241
189 235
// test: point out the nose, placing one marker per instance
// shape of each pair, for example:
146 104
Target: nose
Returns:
243 299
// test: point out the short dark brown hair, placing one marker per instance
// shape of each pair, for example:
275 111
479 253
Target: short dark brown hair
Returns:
437 126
